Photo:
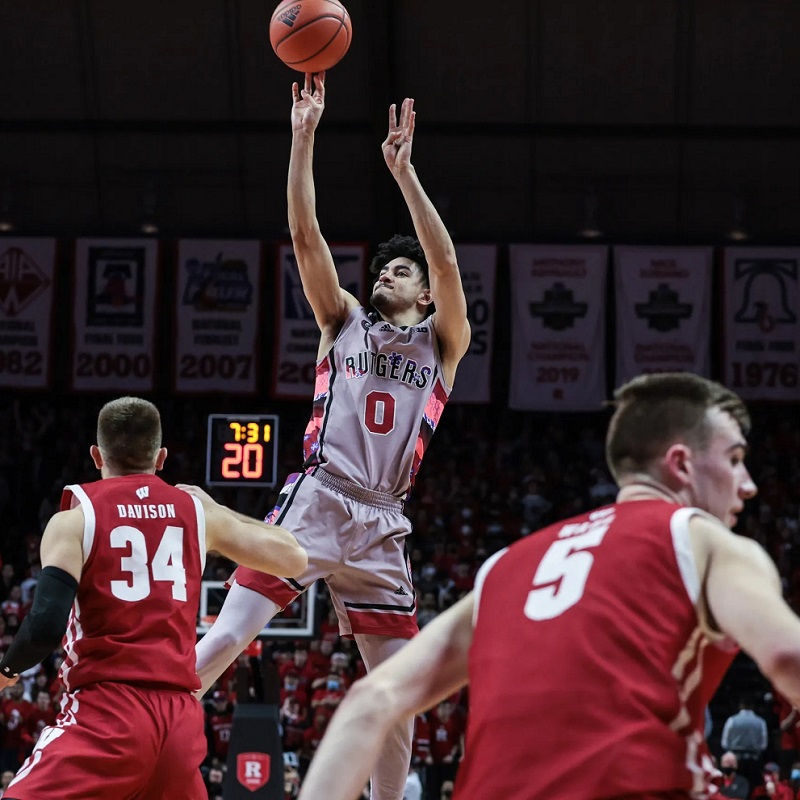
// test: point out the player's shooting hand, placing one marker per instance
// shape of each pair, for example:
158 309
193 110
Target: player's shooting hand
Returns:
397 144
196 491
308 103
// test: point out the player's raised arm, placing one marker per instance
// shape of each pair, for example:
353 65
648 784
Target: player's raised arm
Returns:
452 326
430 667
254 544
330 303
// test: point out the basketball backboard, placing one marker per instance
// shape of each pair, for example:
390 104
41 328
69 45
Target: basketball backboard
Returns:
296 622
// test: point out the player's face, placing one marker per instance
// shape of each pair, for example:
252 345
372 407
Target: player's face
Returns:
398 285
720 480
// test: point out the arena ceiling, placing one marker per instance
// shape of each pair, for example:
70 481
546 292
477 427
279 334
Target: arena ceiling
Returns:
666 120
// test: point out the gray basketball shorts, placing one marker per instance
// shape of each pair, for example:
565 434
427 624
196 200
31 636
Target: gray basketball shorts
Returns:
357 547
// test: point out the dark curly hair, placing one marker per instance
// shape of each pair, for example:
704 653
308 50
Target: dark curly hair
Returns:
399 246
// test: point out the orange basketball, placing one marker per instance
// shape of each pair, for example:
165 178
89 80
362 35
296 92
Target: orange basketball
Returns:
310 35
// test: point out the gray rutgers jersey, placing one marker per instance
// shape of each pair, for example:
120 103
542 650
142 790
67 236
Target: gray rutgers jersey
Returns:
378 397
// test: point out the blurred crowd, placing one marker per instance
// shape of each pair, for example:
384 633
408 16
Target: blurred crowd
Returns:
490 477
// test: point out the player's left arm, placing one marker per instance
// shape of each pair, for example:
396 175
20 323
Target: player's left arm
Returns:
43 628
430 667
452 327
248 541
744 595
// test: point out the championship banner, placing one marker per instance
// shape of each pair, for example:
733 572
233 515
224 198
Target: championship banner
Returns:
478 266
663 303
114 314
557 327
761 290
297 334
217 304
27 274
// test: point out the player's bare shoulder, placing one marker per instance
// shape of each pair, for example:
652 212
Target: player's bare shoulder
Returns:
67 523
712 540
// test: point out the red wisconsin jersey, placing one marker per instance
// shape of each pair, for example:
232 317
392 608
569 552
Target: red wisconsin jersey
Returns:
135 615
589 669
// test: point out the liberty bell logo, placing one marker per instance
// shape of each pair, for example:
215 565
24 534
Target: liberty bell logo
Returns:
765 291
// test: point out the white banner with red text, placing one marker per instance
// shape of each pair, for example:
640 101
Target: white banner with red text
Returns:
27 277
115 315
478 266
217 316
663 309
761 319
558 308
297 335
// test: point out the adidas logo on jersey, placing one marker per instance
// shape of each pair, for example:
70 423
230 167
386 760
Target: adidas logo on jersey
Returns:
142 492
401 591
386 328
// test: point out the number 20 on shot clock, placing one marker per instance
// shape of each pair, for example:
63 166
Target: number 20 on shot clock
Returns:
242 450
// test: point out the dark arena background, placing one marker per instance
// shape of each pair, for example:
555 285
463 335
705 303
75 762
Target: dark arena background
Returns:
621 180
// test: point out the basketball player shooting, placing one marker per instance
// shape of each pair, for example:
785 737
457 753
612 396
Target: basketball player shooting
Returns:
382 380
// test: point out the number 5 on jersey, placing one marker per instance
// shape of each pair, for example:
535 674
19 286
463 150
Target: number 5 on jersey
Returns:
167 564
562 573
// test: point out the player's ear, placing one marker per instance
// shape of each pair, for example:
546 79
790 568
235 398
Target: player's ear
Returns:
161 457
97 456
424 297
678 465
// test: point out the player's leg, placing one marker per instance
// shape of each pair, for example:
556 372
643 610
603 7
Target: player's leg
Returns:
374 598
244 613
391 770
248 607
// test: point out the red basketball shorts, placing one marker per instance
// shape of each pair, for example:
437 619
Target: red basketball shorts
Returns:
111 741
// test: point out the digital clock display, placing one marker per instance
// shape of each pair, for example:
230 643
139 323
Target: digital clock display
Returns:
242 450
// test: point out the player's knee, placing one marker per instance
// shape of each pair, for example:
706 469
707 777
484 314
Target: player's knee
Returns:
224 642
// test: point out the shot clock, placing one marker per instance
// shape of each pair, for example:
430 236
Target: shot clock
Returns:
242 450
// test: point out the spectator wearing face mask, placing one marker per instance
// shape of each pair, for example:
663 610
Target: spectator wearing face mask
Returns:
340 665
733 784
291 688
330 694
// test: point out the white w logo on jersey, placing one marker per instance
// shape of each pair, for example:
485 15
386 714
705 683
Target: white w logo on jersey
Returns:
142 492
